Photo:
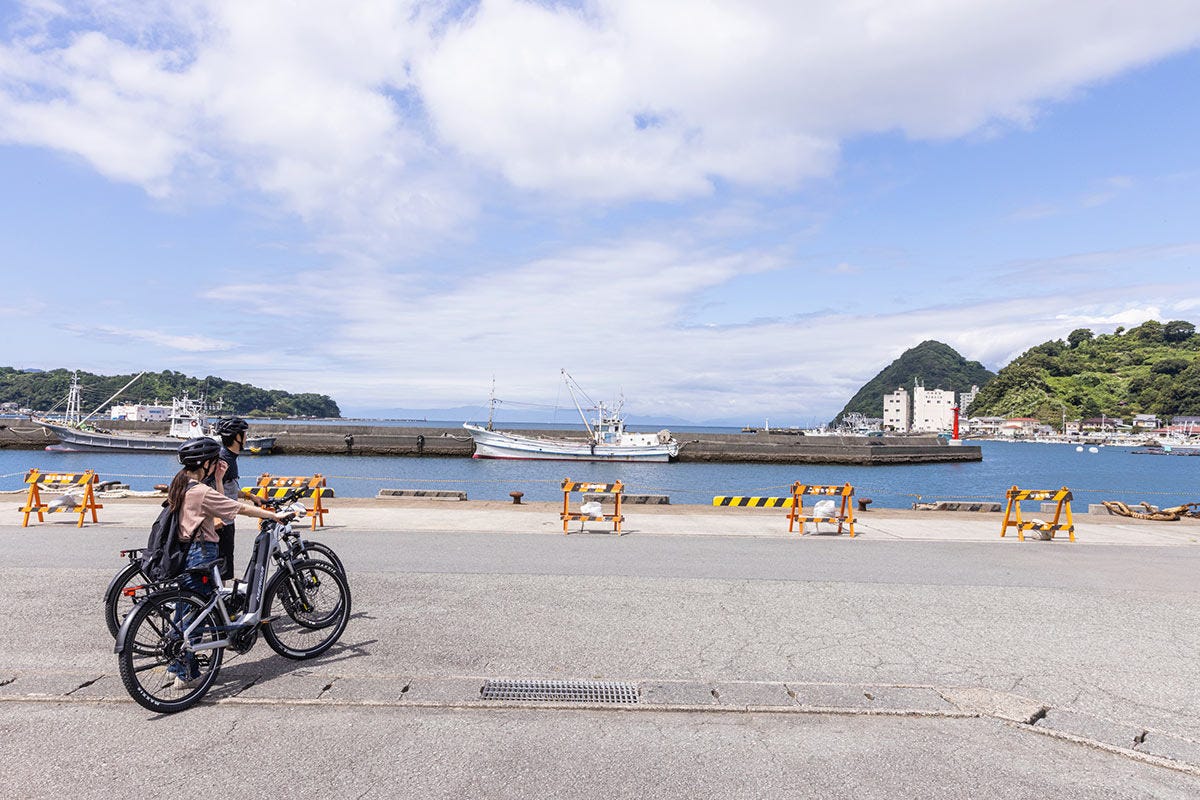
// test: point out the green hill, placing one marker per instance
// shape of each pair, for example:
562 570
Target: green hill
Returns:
1151 369
936 365
42 390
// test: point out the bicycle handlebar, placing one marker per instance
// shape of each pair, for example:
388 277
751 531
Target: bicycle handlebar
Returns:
279 502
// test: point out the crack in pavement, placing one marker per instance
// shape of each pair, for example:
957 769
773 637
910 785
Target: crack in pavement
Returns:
83 685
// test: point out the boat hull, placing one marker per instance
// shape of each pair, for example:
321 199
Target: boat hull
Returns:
73 440
496 444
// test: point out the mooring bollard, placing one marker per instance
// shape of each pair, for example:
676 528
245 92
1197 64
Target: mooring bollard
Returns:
863 503
516 496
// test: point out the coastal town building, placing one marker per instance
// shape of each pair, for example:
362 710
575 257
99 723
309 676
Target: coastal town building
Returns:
966 398
933 409
896 411
1145 421
986 426
1020 427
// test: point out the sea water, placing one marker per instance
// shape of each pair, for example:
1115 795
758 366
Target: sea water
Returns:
1111 473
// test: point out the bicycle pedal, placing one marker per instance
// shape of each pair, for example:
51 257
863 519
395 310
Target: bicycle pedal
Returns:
268 620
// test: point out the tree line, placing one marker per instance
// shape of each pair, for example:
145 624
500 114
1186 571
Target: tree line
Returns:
42 391
1153 368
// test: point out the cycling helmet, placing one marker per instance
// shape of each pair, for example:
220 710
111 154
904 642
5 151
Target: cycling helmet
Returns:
230 426
195 452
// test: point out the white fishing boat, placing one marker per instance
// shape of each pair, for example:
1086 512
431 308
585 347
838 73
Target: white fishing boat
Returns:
188 420
606 439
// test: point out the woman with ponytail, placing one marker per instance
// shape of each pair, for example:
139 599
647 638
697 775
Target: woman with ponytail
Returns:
198 504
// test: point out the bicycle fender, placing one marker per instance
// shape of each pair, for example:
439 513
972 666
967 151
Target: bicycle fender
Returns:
119 647
116 583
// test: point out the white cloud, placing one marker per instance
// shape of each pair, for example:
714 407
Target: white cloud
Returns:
618 101
616 317
365 119
187 343
1108 190
387 126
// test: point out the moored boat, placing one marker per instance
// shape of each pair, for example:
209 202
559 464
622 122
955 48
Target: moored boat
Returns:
188 420
606 440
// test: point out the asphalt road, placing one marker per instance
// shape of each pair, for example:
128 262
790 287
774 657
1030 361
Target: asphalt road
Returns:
1109 634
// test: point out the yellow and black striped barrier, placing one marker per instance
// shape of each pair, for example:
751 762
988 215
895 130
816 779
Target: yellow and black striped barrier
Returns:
845 517
59 480
1012 512
615 489
752 502
277 486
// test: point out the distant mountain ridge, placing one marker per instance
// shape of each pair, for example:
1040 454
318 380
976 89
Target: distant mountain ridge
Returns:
935 364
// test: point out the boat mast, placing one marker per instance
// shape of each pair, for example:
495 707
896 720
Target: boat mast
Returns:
568 380
492 403
109 400
72 415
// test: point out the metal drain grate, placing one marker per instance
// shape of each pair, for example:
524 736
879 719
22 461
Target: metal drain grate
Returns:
561 691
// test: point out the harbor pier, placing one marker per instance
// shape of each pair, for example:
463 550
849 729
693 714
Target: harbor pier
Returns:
453 441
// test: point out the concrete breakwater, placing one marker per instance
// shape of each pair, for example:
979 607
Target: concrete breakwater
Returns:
384 440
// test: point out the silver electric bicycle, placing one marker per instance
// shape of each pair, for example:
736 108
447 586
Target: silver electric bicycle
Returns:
130 585
170 646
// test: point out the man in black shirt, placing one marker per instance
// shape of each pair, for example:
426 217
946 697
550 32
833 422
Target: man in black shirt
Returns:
232 432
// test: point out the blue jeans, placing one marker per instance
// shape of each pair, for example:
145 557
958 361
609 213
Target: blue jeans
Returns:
198 553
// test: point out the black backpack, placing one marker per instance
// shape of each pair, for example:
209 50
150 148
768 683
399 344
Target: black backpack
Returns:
165 557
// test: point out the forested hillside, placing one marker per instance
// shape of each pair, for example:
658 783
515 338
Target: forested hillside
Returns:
936 365
42 390
1151 369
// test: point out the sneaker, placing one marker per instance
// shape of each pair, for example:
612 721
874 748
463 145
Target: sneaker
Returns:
173 671
181 683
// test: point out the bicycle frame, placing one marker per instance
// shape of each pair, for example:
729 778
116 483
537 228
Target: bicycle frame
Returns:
277 534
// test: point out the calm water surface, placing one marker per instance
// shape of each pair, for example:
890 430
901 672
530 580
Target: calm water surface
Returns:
1111 474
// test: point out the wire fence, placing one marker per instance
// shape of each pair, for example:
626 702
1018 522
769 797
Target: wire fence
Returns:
689 494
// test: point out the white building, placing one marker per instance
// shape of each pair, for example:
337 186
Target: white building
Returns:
141 413
933 410
895 410
966 398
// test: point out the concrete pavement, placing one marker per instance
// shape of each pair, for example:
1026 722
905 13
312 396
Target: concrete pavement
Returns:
922 658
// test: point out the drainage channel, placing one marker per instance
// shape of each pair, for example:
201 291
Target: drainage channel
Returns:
560 691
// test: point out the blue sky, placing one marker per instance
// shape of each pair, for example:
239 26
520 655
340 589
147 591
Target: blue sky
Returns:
744 217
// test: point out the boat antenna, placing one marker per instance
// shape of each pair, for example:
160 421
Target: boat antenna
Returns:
492 403
114 397
568 380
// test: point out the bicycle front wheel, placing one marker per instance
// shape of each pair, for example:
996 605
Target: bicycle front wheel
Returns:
318 551
118 604
151 652
308 608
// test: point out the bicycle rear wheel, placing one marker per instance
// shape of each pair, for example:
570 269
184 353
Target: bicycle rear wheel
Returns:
309 608
152 641
118 604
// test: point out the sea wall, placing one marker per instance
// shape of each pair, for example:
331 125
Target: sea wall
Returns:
383 440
